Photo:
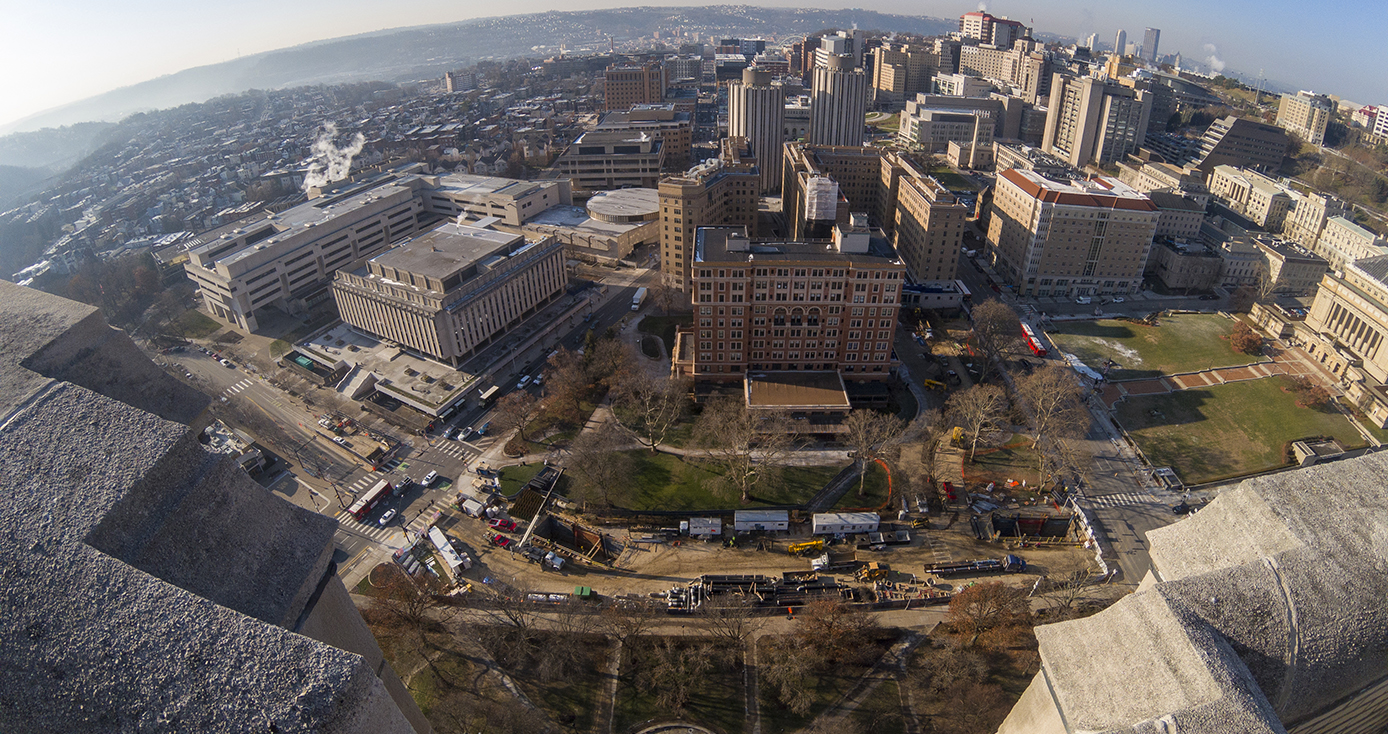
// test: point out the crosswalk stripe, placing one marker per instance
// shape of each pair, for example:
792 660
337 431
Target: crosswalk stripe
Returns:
1125 498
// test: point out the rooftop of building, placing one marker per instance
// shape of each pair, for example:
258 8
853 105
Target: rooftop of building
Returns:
1168 201
1263 612
150 584
1289 250
625 202
1252 178
1353 228
642 116
711 245
1100 192
446 250
469 185
1373 267
1185 247
796 391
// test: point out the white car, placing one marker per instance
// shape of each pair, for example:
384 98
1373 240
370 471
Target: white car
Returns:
523 382
386 518
1119 299
466 432
537 379
339 441
429 478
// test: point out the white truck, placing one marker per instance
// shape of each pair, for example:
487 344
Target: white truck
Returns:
638 298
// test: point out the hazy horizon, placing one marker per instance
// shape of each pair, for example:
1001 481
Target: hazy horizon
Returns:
1287 42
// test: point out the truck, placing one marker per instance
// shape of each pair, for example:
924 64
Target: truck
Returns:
1008 563
807 546
638 298
829 562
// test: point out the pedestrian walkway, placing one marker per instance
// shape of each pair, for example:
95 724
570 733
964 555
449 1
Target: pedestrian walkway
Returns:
1283 363
238 387
1123 499
367 528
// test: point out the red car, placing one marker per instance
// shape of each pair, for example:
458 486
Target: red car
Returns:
500 541
505 526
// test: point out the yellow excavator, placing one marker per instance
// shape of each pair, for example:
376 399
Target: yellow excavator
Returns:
933 384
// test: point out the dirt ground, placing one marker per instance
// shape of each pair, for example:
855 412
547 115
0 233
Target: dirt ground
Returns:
646 568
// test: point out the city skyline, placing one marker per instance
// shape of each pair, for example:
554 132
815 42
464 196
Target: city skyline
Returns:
42 38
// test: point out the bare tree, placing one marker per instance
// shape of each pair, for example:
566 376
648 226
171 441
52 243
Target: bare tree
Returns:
675 673
747 447
984 607
1055 402
514 411
665 297
1069 590
732 621
786 667
997 328
626 623
609 361
871 434
835 632
566 386
649 406
977 410
597 462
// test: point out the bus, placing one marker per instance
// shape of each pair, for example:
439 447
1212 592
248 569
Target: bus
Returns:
1033 341
489 396
367 502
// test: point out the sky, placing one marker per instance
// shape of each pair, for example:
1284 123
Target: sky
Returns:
59 51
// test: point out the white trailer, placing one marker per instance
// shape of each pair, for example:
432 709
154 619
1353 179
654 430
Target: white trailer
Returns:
747 520
831 523
638 298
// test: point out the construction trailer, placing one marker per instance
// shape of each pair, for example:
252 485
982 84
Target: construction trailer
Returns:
751 520
833 523
705 527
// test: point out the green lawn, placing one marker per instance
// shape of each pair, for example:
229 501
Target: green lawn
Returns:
515 477
1227 430
951 180
667 482
874 488
664 327
196 324
1183 343
716 701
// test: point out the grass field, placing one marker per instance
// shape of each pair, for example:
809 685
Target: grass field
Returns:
1226 430
874 491
667 482
1184 343
196 324
515 477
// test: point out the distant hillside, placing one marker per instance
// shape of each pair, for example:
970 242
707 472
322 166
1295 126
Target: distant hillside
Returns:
53 148
15 182
428 51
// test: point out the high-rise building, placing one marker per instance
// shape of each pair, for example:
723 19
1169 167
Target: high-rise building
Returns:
720 192
603 160
900 71
756 111
822 184
1149 44
1120 44
1241 142
673 127
1306 114
928 226
851 42
992 30
1082 238
624 86
1026 65
463 287
1380 128
838 103
790 306
1092 120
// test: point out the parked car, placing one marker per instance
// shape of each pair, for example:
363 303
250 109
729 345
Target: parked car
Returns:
483 430
1180 509
500 541
339 441
429 478
1119 299
224 363
466 432
386 518
504 525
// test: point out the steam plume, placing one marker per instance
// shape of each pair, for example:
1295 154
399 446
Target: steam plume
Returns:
1213 60
327 162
